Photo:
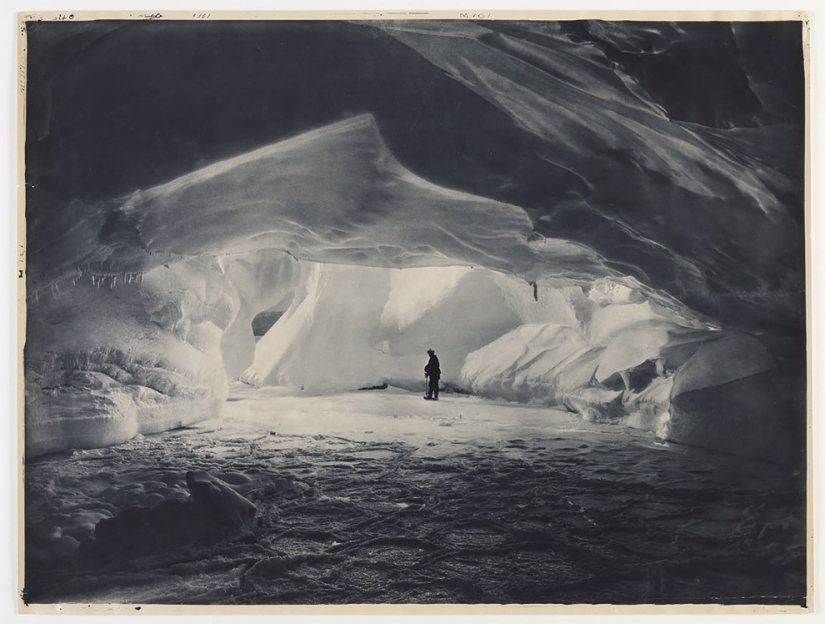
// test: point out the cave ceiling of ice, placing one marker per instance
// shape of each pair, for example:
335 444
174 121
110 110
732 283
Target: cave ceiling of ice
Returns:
669 153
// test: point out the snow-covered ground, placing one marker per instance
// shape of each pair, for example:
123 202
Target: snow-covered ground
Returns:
381 497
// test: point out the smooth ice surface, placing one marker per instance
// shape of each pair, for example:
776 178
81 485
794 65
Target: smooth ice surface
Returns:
335 194
583 105
381 497
415 291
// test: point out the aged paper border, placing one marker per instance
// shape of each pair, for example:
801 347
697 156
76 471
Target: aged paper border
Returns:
367 609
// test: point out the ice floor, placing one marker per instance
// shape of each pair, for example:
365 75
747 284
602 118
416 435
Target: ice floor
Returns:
381 497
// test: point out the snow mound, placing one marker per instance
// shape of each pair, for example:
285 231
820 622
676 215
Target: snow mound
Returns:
326 339
103 364
528 362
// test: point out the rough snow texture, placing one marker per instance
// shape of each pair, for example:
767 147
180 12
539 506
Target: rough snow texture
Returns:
211 511
369 497
105 363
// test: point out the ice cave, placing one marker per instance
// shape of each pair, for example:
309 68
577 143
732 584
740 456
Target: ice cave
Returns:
589 245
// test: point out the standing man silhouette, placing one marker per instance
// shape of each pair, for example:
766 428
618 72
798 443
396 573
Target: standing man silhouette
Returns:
433 372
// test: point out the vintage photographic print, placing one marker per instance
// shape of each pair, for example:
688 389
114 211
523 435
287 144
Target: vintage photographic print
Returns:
421 310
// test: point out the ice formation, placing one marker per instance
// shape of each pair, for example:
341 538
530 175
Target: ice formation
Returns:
606 356
621 263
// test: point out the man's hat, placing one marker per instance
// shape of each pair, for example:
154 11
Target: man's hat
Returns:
430 351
